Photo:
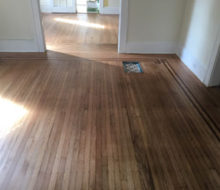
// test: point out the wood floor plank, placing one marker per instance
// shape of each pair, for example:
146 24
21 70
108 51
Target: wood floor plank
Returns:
90 125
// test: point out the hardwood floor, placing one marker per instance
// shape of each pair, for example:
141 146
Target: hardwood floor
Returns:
74 120
86 35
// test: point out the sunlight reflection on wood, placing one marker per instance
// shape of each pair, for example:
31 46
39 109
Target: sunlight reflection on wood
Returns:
11 113
80 22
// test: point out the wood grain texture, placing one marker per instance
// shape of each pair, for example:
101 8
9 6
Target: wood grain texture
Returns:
89 125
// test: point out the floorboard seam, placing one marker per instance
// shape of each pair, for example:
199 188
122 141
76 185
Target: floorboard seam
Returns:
206 117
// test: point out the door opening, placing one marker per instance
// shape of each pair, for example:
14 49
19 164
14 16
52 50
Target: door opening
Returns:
77 34
87 6
63 6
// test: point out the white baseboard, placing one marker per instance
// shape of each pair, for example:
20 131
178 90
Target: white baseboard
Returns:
193 64
63 10
18 46
150 48
110 10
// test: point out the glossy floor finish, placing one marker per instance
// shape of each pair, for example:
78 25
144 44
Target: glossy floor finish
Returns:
80 122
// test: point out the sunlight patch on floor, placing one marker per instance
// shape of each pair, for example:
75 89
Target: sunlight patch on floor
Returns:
10 115
80 22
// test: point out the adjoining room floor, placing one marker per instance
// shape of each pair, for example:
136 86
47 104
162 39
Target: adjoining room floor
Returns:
73 119
81 34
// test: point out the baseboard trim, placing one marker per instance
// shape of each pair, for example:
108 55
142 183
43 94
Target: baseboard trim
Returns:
18 46
63 10
150 48
193 64
110 10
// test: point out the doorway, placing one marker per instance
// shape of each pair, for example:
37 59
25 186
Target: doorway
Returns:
75 33
81 34
63 6
87 6
81 6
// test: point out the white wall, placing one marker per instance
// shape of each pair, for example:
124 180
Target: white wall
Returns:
109 6
46 6
199 36
215 73
153 25
190 28
111 3
17 21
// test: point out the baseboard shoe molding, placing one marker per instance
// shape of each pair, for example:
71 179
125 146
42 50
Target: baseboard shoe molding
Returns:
150 48
18 46
193 64
110 10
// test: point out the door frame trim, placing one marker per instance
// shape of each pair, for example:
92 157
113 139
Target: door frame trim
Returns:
123 26
39 33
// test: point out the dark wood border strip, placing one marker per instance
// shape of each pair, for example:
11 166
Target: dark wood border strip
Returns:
202 112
